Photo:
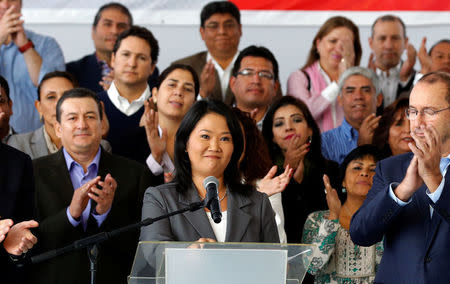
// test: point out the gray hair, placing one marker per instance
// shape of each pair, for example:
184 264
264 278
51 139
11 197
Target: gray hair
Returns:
356 70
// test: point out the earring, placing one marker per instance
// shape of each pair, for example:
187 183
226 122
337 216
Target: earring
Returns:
344 190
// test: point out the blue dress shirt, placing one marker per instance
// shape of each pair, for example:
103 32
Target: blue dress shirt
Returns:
23 93
338 142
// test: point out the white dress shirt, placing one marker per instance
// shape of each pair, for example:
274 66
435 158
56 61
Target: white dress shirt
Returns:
224 74
123 104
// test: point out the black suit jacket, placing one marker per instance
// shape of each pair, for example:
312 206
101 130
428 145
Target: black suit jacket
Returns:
16 201
54 192
198 61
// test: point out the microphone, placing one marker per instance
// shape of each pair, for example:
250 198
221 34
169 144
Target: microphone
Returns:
211 184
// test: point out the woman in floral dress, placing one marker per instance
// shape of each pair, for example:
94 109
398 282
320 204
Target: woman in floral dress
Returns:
337 259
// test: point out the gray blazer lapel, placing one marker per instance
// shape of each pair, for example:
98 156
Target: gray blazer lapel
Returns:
197 219
37 143
238 219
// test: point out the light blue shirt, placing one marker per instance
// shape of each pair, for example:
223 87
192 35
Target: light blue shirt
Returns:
78 178
338 142
23 93
443 166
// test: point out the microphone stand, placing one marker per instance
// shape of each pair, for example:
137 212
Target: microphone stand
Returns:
92 242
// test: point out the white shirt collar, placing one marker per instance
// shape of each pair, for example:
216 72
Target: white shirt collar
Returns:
123 104
223 74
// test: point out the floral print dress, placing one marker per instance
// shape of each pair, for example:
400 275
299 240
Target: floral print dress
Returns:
337 259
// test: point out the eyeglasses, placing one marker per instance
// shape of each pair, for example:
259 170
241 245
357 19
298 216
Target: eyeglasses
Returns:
261 74
214 26
412 113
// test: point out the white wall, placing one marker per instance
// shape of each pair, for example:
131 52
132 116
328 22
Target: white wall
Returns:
290 44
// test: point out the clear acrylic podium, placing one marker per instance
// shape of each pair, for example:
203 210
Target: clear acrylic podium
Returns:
219 263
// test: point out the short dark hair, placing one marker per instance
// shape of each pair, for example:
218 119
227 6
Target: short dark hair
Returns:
436 77
77 93
113 5
381 133
232 176
56 74
5 86
359 152
388 18
219 7
445 40
174 67
256 51
144 34
274 150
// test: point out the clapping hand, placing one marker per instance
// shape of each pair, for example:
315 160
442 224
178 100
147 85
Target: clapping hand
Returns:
272 184
333 201
150 122
207 79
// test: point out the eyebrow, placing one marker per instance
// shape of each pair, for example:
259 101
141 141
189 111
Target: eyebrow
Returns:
177 81
209 131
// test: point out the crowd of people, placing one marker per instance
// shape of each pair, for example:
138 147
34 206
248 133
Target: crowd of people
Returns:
352 158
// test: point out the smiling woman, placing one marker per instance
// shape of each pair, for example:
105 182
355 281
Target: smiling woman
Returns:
209 142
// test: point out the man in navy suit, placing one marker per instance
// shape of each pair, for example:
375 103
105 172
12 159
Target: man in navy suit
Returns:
409 203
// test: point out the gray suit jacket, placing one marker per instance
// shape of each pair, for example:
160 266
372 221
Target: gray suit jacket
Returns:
198 61
33 143
250 218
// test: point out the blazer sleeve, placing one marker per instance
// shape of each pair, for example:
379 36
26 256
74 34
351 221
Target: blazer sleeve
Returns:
372 220
269 226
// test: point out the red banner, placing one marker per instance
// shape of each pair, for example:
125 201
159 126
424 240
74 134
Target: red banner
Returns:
344 5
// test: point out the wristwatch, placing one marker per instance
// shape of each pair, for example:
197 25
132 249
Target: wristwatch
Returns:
26 46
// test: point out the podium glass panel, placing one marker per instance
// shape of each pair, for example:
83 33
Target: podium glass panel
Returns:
182 262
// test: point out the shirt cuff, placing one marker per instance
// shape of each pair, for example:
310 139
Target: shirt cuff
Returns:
437 193
154 166
100 218
71 219
395 198
331 92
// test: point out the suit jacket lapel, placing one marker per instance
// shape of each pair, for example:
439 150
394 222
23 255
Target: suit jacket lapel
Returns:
198 218
60 175
38 144
238 219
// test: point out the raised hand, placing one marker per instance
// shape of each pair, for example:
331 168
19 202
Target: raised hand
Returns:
80 198
207 79
367 128
5 226
272 184
157 144
424 58
408 65
348 54
333 201
19 239
294 152
105 196
10 25
107 80
371 64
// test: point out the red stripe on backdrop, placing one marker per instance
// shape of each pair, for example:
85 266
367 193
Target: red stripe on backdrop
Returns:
345 5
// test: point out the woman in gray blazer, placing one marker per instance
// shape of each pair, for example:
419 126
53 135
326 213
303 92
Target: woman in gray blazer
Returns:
44 141
209 142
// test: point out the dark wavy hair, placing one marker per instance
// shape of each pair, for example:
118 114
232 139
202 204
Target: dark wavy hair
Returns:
174 67
381 133
315 153
326 28
232 176
359 152
256 161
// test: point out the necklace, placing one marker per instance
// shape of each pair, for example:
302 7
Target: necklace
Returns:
223 197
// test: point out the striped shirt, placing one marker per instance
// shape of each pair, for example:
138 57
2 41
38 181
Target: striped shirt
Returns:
338 142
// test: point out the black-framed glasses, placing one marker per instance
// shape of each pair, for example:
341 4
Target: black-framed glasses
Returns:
412 113
261 74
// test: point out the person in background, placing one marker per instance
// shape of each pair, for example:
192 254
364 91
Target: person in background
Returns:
335 48
437 59
44 141
337 259
293 138
5 111
173 95
392 135
25 57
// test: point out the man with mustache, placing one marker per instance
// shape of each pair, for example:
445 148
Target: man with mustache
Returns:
94 71
409 203
82 190
359 96
25 58
388 41
254 81
221 30
134 58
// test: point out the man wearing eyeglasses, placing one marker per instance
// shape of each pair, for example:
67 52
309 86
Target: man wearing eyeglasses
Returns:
254 81
409 203
221 30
